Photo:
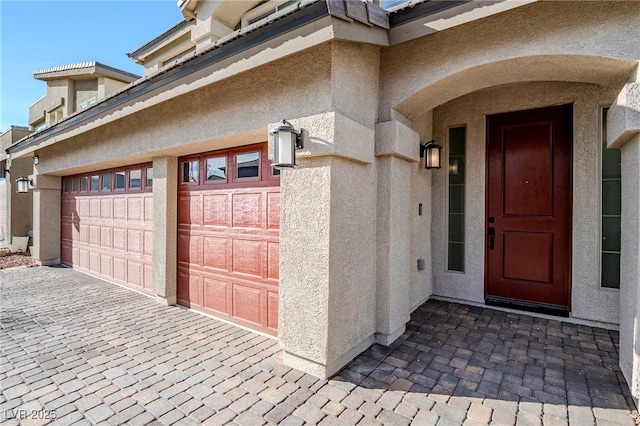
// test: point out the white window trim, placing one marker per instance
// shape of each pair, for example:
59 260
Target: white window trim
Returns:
271 5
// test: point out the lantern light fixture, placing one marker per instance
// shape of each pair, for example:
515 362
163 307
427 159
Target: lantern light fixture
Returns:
286 139
36 160
22 184
432 153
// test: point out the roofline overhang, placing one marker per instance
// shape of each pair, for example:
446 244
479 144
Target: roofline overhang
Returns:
86 70
141 52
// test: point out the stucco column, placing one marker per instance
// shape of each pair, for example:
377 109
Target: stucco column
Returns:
165 228
327 256
397 147
46 219
623 130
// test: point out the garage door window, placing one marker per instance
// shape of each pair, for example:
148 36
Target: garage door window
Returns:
190 172
217 170
248 165
120 180
149 177
74 185
95 183
84 183
135 179
106 182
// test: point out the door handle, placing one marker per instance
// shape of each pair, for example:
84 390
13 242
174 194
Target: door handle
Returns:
492 236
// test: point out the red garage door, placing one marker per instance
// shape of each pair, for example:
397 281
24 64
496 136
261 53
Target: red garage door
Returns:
228 233
107 224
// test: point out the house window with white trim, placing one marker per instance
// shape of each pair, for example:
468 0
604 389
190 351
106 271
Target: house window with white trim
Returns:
265 9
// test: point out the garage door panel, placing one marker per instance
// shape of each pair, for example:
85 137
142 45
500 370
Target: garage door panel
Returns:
190 249
247 210
68 208
94 262
272 310
106 267
134 241
120 208
120 269
273 260
247 257
235 224
134 273
84 259
189 289
135 211
106 237
84 234
148 209
273 210
66 230
190 211
94 235
94 208
66 251
119 239
247 303
148 243
216 293
83 207
216 210
148 277
216 253
106 208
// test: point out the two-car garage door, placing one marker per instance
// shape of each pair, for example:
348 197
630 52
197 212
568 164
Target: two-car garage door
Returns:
106 227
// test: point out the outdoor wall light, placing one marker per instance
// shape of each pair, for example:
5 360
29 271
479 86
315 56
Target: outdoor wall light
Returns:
22 184
433 153
36 160
286 139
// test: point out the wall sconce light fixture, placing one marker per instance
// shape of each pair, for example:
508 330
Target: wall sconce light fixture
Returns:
22 184
36 160
286 139
433 153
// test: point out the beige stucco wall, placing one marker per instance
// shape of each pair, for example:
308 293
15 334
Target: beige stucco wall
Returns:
630 271
623 130
590 42
589 301
218 116
85 90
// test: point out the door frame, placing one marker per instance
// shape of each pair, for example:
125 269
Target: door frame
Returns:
521 304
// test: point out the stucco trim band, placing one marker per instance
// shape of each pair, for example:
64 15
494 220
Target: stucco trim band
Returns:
321 132
396 139
623 118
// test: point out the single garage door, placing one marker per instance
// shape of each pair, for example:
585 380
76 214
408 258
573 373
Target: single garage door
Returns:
107 224
228 235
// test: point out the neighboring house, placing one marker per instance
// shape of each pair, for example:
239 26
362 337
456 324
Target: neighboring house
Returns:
70 89
167 186
16 210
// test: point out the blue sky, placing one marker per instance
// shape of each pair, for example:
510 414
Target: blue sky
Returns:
40 34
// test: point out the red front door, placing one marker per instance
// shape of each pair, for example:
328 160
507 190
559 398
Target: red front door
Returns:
528 239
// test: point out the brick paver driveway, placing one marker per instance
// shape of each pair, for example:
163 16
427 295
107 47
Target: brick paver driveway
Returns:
87 351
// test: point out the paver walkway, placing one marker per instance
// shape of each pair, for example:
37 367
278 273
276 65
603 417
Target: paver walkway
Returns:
90 352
